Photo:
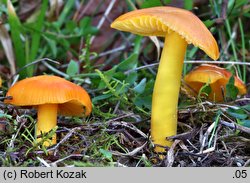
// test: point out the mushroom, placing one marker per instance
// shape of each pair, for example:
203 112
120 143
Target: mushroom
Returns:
179 27
216 77
50 95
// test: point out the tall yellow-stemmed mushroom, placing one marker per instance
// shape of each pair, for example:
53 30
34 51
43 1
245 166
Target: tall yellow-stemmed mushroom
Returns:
50 95
179 27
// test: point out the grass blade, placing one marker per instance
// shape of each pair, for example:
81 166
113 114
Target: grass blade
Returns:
15 29
66 10
233 46
36 35
243 49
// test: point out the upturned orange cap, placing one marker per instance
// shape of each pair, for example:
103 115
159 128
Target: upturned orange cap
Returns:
216 76
159 21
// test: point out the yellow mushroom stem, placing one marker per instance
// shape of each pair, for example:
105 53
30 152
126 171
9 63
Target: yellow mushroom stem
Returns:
47 120
166 91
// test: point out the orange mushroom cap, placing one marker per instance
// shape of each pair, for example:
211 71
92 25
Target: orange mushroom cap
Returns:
216 76
158 21
71 98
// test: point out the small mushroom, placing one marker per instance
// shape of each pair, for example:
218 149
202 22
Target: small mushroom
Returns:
50 95
217 78
179 27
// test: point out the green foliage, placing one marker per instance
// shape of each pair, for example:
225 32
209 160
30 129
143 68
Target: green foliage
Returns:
2 115
73 68
236 12
66 10
16 30
241 114
129 63
245 122
26 52
141 86
144 97
205 90
150 3
106 154
209 23
28 36
188 4
216 121
85 56
237 113
36 28
121 84
232 90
